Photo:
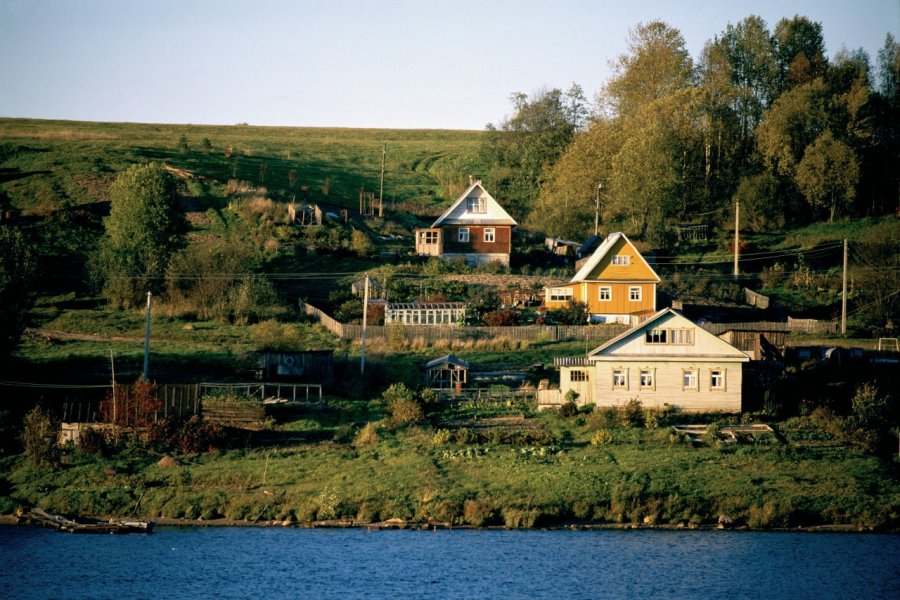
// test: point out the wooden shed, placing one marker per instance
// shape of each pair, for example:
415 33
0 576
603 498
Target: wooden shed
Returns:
446 373
310 366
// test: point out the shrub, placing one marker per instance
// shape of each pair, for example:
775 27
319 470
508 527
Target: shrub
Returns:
606 417
361 244
92 441
402 405
366 437
633 414
568 409
478 512
601 437
441 437
39 438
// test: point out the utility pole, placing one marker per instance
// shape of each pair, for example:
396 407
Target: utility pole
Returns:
737 237
844 294
362 340
147 339
381 189
597 209
112 366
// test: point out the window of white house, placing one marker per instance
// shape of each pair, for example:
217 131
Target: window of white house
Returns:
621 259
605 293
689 379
620 379
647 379
717 379
428 237
683 337
634 294
578 375
476 205
489 234
656 336
463 234
560 294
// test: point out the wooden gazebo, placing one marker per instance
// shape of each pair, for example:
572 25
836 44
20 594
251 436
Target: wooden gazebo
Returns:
446 373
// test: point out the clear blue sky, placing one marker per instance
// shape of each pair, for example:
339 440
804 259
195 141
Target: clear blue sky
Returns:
350 63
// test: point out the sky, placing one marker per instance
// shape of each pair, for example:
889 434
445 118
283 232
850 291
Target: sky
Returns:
433 64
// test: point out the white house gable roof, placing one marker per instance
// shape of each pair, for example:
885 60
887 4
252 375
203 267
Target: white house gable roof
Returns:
600 253
633 343
459 214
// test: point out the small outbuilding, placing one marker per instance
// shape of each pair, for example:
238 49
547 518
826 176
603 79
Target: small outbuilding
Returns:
446 373
310 366
424 313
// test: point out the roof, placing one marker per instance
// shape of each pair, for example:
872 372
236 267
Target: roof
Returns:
424 305
458 215
623 345
448 359
600 253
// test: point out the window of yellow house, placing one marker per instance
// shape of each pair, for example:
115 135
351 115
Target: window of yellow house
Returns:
605 293
621 259
560 294
634 294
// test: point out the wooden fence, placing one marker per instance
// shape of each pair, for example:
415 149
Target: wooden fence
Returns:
755 299
433 333
811 326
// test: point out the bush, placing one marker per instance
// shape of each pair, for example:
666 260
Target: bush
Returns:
568 409
633 414
39 438
92 441
402 406
601 438
479 512
441 437
367 437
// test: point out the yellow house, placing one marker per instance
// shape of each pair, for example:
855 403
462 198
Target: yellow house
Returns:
615 283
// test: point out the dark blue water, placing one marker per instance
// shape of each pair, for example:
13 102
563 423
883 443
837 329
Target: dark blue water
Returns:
271 564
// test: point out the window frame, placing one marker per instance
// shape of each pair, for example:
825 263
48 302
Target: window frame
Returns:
640 293
608 290
621 260
695 377
476 205
555 296
462 235
620 378
651 373
582 376
428 238
720 371
490 232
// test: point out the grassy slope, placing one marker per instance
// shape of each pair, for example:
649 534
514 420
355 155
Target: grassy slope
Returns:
806 481
44 161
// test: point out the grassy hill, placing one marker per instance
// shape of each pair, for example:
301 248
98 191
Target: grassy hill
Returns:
44 163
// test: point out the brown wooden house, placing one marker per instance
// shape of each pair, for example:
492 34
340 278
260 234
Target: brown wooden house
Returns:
475 228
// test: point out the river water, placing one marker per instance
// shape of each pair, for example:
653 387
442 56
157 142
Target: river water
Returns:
276 563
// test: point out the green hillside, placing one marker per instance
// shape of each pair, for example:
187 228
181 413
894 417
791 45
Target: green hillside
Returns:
45 163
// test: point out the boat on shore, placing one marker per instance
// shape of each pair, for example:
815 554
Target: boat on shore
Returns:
88 525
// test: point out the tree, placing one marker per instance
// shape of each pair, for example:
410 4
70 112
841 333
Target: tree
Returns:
524 147
145 227
658 64
16 272
795 120
828 174
800 51
762 206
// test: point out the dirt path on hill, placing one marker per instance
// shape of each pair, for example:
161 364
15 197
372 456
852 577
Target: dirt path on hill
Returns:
57 335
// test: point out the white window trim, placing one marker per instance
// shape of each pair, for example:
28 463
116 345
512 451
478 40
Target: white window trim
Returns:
462 235
640 294
720 388
490 232
621 260
696 386
476 205
652 373
563 294
603 288
624 371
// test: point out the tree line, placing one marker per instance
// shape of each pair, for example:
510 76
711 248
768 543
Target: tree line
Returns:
762 117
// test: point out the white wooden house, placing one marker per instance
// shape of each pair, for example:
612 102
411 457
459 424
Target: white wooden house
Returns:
665 361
